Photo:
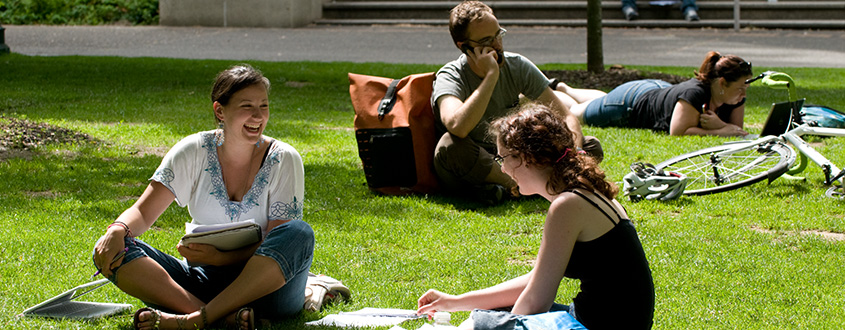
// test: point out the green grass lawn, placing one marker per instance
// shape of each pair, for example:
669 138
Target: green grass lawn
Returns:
745 259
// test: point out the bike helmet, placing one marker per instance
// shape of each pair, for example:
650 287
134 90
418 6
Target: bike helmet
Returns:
646 182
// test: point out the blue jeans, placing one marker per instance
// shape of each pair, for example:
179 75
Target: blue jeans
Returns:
558 317
614 108
684 4
291 245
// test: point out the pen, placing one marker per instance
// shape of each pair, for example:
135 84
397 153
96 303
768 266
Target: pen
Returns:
118 256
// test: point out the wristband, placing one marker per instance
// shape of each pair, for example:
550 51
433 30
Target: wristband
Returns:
122 224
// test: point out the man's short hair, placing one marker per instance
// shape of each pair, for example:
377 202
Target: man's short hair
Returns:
464 13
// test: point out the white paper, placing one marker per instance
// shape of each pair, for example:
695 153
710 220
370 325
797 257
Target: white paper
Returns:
192 228
368 317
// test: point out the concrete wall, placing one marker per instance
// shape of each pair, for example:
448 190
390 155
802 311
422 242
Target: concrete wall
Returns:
240 13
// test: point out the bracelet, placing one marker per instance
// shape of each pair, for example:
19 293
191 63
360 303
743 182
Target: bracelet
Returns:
122 224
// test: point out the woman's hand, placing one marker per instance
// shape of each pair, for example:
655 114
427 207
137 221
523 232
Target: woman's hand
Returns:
732 130
107 248
434 301
710 121
205 254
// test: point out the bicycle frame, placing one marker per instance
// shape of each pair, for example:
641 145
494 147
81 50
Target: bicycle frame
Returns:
794 137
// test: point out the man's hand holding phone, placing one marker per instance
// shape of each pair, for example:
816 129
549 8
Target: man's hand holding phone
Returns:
485 58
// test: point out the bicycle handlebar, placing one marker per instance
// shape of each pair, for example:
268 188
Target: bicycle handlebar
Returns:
778 80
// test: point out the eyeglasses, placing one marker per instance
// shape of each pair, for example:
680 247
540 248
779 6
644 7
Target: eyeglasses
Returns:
500 159
487 42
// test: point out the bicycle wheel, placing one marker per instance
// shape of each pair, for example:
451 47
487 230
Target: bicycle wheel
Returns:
709 174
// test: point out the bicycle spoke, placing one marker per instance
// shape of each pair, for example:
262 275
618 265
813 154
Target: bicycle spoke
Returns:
708 173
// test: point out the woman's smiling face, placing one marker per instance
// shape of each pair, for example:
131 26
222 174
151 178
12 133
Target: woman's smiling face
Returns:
529 178
246 115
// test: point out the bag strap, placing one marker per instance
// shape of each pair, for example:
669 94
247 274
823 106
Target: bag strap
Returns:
388 100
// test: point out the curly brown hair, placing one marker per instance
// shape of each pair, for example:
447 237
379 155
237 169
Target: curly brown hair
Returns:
541 138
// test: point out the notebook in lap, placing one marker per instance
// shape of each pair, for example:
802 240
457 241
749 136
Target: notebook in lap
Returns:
780 116
66 306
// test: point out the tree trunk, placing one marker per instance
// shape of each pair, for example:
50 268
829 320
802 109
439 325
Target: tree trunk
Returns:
3 48
595 55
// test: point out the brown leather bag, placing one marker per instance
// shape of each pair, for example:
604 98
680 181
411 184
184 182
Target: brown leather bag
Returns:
394 127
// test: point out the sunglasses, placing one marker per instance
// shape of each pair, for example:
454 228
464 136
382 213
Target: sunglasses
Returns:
745 68
761 76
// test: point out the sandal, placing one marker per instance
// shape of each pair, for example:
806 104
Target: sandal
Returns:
250 319
155 317
322 289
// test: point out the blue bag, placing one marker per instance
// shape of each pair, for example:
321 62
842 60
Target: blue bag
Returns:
822 116
502 320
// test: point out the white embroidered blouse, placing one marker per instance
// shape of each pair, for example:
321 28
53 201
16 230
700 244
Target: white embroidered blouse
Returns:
191 170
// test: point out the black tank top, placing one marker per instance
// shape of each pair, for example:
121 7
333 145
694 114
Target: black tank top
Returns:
617 290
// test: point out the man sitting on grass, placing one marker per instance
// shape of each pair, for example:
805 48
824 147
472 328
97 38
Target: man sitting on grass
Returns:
484 84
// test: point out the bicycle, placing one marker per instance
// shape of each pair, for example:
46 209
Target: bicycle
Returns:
742 163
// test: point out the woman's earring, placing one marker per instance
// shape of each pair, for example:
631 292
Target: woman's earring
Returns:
219 136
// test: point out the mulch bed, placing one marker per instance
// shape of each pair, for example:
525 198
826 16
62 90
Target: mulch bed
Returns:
19 136
610 78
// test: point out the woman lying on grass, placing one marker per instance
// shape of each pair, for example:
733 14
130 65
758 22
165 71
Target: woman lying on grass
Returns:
712 103
231 174
586 236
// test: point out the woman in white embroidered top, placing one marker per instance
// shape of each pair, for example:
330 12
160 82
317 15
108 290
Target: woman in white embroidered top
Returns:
231 174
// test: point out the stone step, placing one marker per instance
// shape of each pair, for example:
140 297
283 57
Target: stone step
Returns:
793 14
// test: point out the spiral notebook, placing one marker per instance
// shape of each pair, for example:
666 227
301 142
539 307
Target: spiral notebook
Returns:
65 305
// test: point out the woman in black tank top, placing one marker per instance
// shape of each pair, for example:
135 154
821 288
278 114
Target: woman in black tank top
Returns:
711 103
586 236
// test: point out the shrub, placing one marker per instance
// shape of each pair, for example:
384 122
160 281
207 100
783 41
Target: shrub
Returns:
79 12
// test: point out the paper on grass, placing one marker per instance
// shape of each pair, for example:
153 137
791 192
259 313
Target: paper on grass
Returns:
368 317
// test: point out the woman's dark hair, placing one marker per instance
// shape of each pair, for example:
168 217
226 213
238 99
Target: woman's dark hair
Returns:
464 13
541 138
730 67
234 79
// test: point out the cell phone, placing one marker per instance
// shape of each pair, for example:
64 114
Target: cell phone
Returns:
466 48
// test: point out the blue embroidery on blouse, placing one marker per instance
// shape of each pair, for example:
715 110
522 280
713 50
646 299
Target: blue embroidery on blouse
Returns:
165 176
285 211
232 208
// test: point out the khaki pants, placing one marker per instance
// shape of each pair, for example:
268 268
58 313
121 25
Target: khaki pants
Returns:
462 165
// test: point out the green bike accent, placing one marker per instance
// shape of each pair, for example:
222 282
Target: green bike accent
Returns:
780 80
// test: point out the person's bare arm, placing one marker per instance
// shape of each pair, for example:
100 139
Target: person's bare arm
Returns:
686 120
501 295
549 98
563 225
460 117
138 218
